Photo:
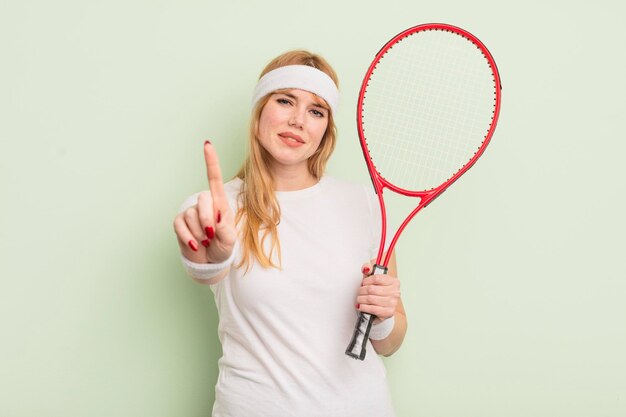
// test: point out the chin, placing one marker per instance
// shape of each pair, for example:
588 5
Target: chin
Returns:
287 161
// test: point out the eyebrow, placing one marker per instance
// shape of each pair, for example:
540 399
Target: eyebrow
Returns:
296 98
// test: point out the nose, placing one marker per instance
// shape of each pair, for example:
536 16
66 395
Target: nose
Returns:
297 118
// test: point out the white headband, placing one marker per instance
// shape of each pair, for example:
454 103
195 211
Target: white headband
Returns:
301 77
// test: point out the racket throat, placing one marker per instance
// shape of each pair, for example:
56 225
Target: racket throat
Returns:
379 270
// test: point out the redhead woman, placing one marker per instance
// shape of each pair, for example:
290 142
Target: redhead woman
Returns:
285 249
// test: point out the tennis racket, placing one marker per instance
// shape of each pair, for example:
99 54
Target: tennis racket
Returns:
427 109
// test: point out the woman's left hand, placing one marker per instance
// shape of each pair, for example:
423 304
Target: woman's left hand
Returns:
379 294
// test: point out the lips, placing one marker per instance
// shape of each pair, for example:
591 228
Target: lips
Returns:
289 136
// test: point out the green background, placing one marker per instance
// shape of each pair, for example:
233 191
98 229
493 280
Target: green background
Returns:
513 281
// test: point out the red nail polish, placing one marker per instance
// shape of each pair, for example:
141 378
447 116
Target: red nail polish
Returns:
207 141
366 270
219 216
206 243
357 306
193 245
210 233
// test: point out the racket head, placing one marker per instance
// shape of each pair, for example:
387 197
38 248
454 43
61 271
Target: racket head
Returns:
427 109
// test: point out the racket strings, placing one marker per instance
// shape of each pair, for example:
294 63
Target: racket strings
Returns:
427 109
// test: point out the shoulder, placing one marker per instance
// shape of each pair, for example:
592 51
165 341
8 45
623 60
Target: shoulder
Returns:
334 183
346 189
355 196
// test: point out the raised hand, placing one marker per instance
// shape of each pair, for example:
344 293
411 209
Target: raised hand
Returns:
206 231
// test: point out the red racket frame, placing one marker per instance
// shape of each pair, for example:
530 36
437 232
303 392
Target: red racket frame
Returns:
426 197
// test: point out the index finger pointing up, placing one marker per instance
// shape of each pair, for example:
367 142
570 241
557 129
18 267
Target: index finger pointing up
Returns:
214 172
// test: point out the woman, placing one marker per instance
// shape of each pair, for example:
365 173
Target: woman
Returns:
280 245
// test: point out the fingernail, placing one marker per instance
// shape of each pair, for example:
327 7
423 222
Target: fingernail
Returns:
207 141
206 243
366 270
210 233
357 306
193 245
219 216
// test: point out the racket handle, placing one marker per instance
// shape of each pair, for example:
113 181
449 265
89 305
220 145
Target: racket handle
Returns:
358 345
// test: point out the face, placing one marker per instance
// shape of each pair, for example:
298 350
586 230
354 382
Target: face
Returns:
291 127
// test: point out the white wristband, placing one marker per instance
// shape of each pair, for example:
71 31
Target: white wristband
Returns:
383 329
206 271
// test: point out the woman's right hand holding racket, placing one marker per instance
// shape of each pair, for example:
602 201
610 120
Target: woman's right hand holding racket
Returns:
206 231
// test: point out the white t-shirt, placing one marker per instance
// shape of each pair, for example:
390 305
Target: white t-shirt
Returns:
284 332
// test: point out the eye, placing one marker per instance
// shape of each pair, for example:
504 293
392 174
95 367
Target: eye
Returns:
283 100
317 113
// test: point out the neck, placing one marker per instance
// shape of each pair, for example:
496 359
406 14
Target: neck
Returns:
292 178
